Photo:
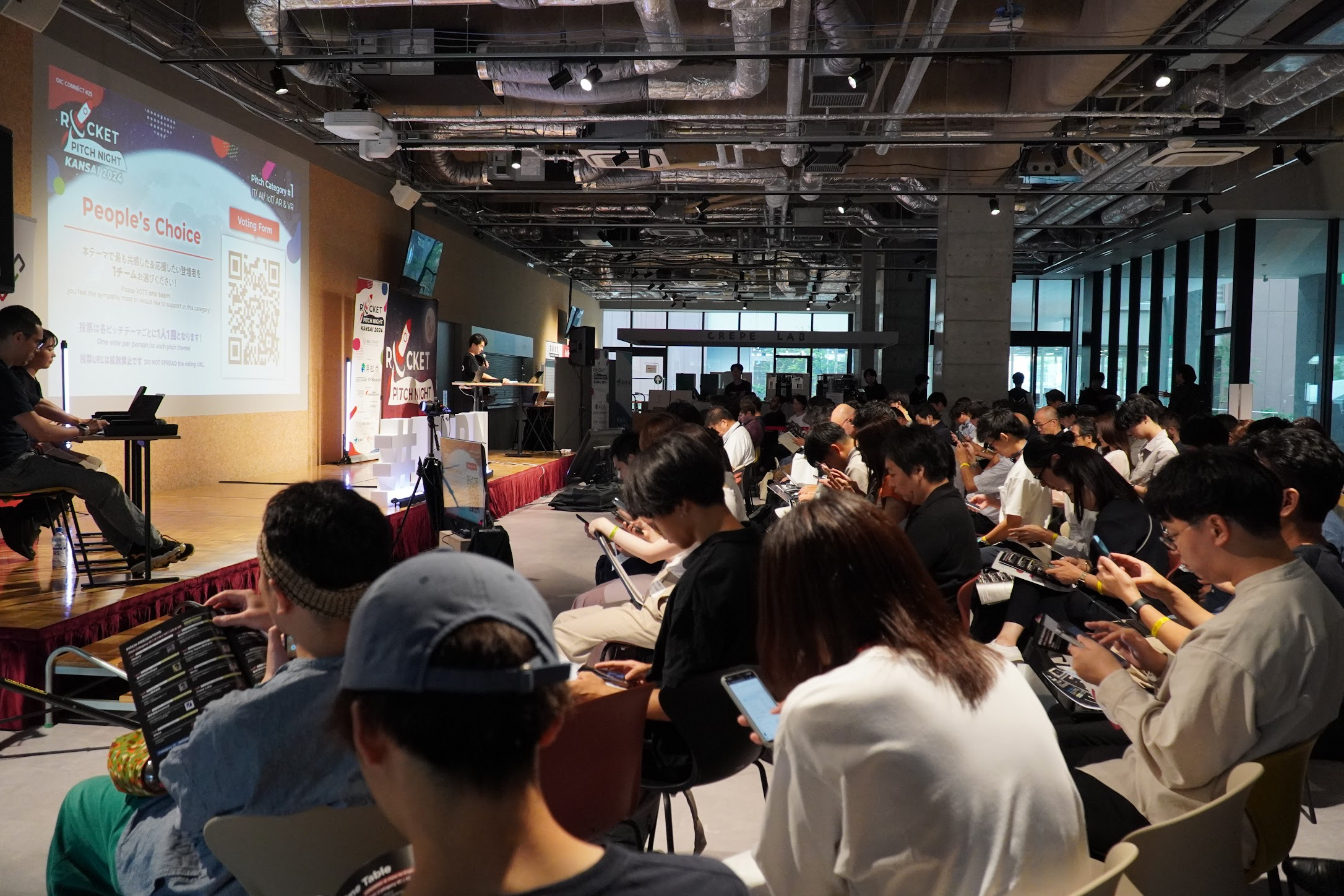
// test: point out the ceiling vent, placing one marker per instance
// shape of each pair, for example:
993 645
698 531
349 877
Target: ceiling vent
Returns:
500 166
834 92
605 158
401 42
1185 153
675 233
830 158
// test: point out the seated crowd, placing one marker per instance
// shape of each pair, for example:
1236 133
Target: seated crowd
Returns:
837 548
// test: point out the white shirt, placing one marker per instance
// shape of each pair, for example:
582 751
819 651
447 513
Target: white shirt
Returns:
990 484
1023 495
1119 460
733 497
798 420
1153 456
856 468
741 450
887 784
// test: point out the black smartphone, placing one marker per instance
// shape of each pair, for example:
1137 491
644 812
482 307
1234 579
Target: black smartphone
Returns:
1100 545
749 694
617 678
581 519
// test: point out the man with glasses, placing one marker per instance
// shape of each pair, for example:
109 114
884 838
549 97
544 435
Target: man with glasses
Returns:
1265 674
1047 421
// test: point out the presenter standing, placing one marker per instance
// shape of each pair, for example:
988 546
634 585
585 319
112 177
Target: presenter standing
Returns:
475 364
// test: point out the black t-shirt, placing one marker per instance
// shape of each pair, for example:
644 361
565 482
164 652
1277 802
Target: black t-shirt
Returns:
710 619
943 536
14 401
1324 560
472 367
30 383
1126 527
737 389
875 392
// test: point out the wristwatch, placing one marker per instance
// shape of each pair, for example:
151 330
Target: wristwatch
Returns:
1141 603
83 428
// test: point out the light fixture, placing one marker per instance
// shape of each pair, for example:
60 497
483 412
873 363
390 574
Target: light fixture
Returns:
593 75
1162 80
1304 156
656 205
1278 158
1205 206
810 157
1187 206
644 161
278 81
620 158
844 205
516 159
994 205
561 78
863 74
844 158
744 304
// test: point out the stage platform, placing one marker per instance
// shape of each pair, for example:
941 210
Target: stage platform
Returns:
40 610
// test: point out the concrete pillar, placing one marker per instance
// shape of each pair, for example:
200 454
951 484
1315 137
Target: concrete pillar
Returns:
975 277
866 322
905 312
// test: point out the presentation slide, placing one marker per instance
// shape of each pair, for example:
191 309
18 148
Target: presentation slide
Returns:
174 254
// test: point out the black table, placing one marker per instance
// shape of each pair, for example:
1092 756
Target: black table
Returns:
136 482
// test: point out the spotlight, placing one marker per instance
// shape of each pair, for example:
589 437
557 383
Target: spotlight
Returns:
1187 206
844 205
593 75
278 80
1278 158
1205 206
620 158
744 304
1304 156
1163 79
644 161
844 158
561 78
657 204
516 159
849 288
994 206
863 74
810 157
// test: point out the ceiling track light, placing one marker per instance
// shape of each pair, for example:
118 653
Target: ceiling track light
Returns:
810 158
1162 80
516 159
994 206
1205 206
845 204
656 205
591 77
1304 156
1187 206
844 158
620 158
561 78
1278 156
644 160
278 82
857 79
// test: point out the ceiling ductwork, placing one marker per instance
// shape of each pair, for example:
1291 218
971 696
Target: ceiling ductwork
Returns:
914 75
457 172
272 25
844 27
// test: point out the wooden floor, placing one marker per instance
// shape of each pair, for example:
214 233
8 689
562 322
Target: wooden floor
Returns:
221 520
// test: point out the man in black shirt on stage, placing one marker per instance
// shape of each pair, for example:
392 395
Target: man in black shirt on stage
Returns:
22 469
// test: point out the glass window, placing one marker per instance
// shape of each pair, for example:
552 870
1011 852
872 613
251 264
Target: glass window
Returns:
795 321
1022 299
1194 315
1222 360
760 362
685 320
1145 312
758 320
1120 386
1222 319
935 324
648 320
1084 331
1168 302
1288 311
1019 361
833 322
719 358
1104 351
830 360
720 320
1054 306
611 322
799 363
1052 369
684 359
1337 367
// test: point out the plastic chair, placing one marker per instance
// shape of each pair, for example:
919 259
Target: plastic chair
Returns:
964 596
590 774
312 852
1274 809
1118 860
706 719
1200 851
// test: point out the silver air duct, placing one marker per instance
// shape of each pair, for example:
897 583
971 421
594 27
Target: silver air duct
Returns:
914 76
456 172
272 25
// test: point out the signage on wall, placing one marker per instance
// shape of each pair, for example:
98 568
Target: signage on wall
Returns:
364 391
408 354
781 338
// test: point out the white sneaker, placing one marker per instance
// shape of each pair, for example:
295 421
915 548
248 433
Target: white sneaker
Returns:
1007 651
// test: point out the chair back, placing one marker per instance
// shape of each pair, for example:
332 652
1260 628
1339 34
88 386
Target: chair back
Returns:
1200 851
308 853
706 718
1121 856
590 774
1274 806
964 595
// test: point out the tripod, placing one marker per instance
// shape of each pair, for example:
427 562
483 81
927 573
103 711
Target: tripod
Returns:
429 474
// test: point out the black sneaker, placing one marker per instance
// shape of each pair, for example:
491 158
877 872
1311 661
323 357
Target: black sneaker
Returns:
184 548
167 552
16 533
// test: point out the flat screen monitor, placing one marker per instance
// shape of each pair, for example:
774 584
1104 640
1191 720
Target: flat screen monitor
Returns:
422 263
575 318
685 382
592 462
465 492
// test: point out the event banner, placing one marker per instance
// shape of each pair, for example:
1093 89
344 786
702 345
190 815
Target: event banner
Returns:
412 326
366 369
174 254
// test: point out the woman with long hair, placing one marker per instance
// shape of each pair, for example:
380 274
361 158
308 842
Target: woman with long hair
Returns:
909 759
1114 444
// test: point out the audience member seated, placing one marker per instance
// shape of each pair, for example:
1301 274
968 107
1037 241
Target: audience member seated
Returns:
1107 507
939 402
1023 500
451 688
837 458
986 482
1171 425
749 415
798 405
908 758
1054 398
843 417
643 554
1265 674
1047 422
685 412
1138 418
1202 431
710 618
1114 443
658 425
23 469
870 438
1084 431
1068 413
736 439
928 416
918 466
263 751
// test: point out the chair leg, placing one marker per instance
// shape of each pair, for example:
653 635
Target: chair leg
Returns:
653 828
1309 808
667 818
765 784
1275 884
700 841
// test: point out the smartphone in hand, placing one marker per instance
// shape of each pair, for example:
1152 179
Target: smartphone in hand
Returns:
750 696
1100 545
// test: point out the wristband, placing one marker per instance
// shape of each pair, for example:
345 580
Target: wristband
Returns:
1054 537
1101 589
964 464
1162 620
614 529
1140 604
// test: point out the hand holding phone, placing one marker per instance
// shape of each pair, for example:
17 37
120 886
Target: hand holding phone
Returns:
1100 545
761 710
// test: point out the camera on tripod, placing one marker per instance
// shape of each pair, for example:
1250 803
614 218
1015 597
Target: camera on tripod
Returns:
432 408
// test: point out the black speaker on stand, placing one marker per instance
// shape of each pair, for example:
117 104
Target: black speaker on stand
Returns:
582 350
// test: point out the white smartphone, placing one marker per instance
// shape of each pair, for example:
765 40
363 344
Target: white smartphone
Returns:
749 694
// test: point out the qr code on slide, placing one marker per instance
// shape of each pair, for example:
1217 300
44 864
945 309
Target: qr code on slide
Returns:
253 282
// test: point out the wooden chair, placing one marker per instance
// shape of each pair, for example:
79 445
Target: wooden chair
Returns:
1200 851
1118 860
590 774
312 852
1274 808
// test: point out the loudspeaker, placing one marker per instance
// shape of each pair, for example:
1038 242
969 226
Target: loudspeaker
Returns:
36 14
404 196
582 350
6 211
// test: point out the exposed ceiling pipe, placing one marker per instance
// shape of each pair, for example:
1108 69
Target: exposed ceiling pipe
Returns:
919 201
457 172
914 76
273 27
1277 115
600 178
1130 206
662 33
844 27
800 16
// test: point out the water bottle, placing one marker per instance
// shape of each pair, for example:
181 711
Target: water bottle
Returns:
60 549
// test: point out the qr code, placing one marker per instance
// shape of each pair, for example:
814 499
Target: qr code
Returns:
254 309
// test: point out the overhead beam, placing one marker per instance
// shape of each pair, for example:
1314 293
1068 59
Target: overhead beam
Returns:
522 141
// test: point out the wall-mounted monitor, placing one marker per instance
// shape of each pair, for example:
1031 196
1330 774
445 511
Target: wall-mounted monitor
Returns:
575 318
423 253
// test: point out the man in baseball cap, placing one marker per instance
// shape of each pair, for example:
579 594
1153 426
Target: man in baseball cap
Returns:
451 685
